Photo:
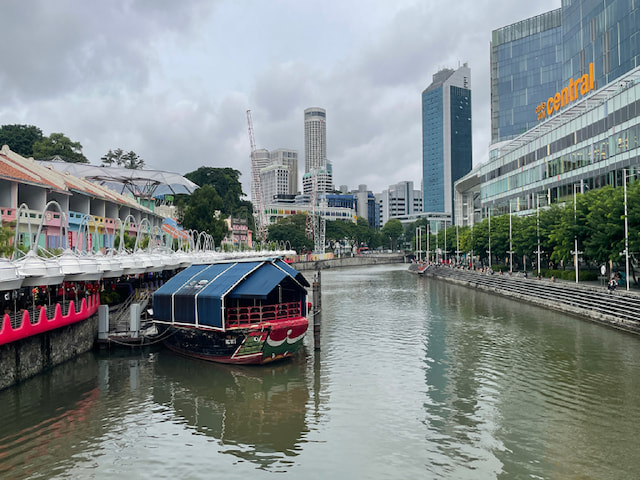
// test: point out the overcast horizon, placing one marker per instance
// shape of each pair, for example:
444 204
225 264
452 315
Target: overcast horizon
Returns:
172 81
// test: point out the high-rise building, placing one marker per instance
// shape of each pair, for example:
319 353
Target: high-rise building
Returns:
275 182
315 138
606 34
288 158
446 136
321 182
399 200
262 160
589 126
526 65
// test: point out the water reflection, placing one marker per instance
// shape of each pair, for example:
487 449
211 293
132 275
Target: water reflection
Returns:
46 418
255 413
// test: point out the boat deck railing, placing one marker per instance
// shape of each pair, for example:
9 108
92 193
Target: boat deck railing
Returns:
245 316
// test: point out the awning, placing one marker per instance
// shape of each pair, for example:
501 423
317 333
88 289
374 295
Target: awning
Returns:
260 284
196 295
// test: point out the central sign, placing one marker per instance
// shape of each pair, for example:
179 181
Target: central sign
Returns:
581 86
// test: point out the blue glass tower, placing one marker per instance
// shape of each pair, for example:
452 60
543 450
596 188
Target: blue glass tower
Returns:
446 137
526 67
605 33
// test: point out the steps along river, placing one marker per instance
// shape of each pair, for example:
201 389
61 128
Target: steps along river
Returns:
417 378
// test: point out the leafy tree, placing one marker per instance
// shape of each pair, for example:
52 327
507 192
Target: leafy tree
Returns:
292 229
20 138
118 157
226 181
60 145
7 232
201 213
392 229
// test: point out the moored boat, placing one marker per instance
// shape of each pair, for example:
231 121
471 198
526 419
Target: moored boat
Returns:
243 312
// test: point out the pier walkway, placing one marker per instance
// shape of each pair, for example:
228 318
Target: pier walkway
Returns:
619 309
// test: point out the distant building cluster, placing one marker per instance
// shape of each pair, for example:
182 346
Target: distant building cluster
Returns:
565 117
565 110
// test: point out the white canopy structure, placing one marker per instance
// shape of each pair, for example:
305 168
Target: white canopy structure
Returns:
140 183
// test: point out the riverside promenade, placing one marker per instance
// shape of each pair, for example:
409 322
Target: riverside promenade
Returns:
619 309
355 261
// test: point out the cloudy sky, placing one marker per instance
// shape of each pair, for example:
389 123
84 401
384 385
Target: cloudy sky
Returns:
172 79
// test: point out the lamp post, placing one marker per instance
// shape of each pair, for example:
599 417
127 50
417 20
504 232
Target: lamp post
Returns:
489 251
428 252
510 252
445 241
575 235
538 251
457 247
626 230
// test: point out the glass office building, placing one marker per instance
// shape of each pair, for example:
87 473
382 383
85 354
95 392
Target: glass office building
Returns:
606 34
446 137
587 129
587 146
526 65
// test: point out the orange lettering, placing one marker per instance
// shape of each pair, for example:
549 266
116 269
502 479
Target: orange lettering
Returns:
584 88
556 101
549 105
572 96
565 96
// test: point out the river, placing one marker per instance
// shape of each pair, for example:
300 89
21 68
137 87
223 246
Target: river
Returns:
416 379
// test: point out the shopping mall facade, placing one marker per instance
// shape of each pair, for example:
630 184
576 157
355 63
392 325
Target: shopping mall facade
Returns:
587 133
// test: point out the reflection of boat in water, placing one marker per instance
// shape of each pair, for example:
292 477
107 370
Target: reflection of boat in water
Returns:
257 414
243 312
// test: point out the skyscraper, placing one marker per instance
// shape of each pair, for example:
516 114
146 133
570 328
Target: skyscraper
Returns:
315 138
526 65
606 34
446 136
315 152
288 158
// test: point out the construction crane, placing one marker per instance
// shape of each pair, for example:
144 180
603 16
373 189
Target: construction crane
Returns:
315 226
256 189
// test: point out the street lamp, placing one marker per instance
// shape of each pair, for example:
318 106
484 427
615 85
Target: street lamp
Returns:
575 235
626 230
510 252
538 231
445 241
457 247
489 251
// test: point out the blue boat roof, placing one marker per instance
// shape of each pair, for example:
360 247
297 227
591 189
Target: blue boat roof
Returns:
196 296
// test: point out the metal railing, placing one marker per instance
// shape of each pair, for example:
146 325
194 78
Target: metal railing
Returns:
255 315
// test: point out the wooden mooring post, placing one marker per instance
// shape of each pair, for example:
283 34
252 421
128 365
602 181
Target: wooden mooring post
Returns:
316 310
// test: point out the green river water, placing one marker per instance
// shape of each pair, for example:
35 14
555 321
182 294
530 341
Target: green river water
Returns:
416 379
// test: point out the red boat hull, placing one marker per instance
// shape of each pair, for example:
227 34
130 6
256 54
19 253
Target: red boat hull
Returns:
255 345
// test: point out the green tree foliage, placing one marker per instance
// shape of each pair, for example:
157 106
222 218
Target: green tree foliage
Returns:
7 232
226 181
60 145
202 213
119 158
358 233
20 138
392 230
292 229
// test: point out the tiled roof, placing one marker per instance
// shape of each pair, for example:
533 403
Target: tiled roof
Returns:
18 168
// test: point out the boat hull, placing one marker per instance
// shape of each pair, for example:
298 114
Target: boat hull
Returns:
259 344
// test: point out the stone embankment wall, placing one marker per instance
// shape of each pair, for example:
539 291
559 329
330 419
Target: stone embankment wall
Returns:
619 309
28 357
357 261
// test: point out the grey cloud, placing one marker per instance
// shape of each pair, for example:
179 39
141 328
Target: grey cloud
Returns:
63 46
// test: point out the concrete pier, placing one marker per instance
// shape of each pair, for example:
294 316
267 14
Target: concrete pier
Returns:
30 356
357 261
619 309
